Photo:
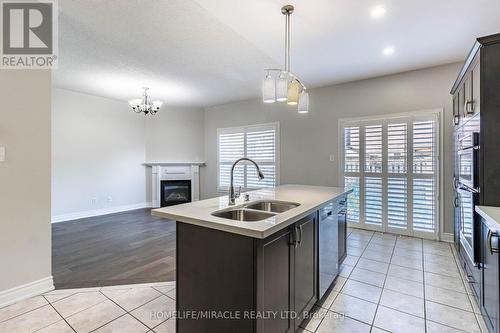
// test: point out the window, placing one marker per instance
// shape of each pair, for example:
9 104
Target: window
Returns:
258 142
392 165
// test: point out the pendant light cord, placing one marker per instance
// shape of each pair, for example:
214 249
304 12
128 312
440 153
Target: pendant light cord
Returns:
288 43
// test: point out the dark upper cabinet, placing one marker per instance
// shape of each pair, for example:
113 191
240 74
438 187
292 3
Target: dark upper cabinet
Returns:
305 267
276 257
476 88
490 277
476 101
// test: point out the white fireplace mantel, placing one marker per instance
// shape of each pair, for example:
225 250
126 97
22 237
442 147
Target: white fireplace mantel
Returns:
173 163
174 171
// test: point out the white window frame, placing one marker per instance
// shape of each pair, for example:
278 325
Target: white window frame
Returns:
391 118
245 129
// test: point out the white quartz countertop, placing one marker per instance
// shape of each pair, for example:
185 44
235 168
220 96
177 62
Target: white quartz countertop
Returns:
491 215
310 198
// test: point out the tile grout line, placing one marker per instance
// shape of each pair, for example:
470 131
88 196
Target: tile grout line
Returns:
469 296
109 322
383 286
346 279
18 315
364 249
59 315
129 312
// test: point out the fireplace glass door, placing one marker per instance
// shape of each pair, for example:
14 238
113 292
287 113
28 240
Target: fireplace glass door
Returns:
175 192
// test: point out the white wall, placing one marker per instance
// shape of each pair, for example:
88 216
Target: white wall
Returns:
175 134
25 240
100 147
97 154
308 140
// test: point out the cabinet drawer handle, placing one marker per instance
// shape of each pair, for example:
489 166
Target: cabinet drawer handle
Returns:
292 239
467 109
490 239
296 238
301 231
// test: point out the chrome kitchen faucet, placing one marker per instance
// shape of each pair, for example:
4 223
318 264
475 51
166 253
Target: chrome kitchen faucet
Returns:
232 194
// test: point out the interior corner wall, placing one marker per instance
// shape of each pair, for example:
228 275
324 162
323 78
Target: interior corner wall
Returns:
175 135
100 147
307 141
98 153
25 234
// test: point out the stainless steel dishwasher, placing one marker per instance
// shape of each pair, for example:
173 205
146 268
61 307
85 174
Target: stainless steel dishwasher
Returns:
328 246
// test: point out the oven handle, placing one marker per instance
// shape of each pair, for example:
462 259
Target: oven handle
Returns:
475 141
463 188
490 238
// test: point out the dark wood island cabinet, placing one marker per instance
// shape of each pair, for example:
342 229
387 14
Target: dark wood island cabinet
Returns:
261 281
275 277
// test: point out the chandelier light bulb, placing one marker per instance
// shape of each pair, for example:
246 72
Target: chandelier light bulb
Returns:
293 92
287 86
303 102
144 104
268 89
282 88
157 104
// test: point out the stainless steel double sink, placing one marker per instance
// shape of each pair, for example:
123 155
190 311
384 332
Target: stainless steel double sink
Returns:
256 211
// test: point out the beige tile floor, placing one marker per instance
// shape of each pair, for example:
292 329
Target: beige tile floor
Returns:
387 283
120 309
390 283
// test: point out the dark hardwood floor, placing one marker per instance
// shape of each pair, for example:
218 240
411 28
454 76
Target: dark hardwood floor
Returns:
123 248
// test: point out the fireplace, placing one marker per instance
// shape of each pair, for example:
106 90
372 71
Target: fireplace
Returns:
174 192
165 175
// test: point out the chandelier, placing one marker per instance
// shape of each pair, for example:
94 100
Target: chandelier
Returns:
282 85
144 104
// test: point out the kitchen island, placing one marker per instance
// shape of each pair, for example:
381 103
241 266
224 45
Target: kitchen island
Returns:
255 266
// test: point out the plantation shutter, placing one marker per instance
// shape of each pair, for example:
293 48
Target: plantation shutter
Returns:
397 182
396 187
231 147
424 180
259 143
261 147
352 164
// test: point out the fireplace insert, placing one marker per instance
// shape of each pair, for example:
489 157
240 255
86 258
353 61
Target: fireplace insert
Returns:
174 192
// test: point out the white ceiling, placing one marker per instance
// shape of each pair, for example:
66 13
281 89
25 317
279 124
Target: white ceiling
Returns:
207 52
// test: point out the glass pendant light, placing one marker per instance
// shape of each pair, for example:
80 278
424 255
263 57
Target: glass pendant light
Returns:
303 102
268 89
293 92
287 86
282 88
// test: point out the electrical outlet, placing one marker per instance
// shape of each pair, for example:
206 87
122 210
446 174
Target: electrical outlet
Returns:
332 158
93 201
2 154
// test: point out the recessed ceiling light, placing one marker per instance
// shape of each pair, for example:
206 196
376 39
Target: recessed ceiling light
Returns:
389 50
378 12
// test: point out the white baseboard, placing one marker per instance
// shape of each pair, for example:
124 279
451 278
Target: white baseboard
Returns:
447 237
99 212
25 291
